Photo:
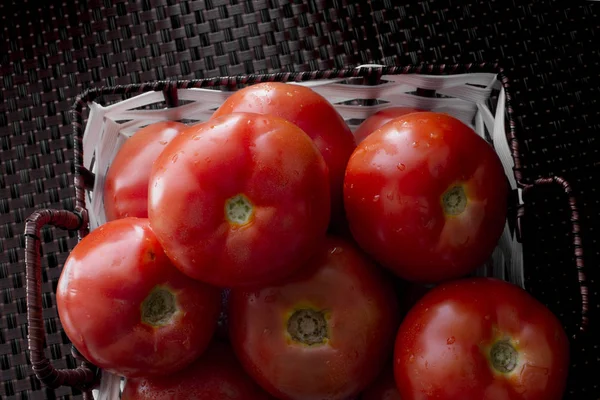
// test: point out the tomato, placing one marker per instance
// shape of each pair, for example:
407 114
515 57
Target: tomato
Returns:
379 119
426 197
216 375
481 338
241 199
126 185
324 333
384 387
127 309
313 114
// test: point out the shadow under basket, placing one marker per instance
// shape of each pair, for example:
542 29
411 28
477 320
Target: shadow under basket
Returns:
477 94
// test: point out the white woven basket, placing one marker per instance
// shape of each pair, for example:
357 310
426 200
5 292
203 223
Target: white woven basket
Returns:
467 97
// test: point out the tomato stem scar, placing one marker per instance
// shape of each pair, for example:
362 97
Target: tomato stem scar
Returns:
238 209
159 307
454 200
503 356
308 326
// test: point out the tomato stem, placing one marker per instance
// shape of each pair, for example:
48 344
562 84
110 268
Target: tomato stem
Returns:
454 200
238 209
308 326
159 307
503 356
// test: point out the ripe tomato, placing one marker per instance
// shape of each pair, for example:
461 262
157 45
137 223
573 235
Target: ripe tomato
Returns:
426 197
384 387
126 185
379 119
313 114
241 199
481 338
325 333
216 375
127 309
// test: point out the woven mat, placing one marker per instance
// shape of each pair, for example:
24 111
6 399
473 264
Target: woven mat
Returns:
50 53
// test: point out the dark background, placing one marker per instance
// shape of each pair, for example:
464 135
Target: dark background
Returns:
51 51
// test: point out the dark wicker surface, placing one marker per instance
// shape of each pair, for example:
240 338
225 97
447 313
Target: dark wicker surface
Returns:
51 53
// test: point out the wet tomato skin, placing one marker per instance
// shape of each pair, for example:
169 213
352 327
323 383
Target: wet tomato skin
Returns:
111 288
426 197
342 287
216 375
126 185
379 119
240 200
312 113
446 344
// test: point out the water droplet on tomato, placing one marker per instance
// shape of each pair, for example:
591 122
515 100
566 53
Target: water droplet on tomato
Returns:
450 340
401 166
433 135
415 144
163 142
390 196
175 157
375 198
336 250
411 358
289 94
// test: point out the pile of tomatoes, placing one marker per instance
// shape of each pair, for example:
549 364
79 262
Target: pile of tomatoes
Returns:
270 253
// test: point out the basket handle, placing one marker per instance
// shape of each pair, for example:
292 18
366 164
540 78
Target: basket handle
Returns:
577 243
85 376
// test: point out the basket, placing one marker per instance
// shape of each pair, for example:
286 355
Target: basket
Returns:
477 94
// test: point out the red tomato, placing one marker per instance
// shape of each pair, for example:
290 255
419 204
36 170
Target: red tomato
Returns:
127 309
384 387
325 333
482 339
241 199
379 119
216 375
313 114
126 185
426 197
